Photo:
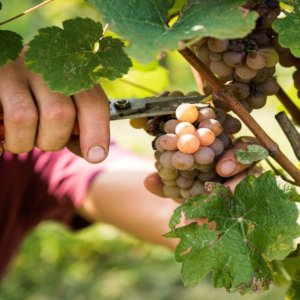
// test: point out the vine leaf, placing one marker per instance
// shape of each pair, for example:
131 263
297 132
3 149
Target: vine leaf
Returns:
11 45
254 226
287 28
144 23
252 154
73 59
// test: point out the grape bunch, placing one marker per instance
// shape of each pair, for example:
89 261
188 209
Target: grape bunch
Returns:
247 65
188 145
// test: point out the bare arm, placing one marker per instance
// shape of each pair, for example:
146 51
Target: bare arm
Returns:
118 197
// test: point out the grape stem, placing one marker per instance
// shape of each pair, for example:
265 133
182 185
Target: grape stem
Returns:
26 12
289 105
224 94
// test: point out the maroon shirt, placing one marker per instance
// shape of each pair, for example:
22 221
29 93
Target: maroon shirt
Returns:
39 186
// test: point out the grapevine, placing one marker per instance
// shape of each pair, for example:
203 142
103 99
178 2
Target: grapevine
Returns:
235 46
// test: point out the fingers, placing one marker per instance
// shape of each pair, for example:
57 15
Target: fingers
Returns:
93 118
154 185
228 165
57 115
20 113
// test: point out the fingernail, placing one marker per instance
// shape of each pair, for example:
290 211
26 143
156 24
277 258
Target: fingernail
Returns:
228 167
96 154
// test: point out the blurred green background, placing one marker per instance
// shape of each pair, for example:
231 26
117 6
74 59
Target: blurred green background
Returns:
102 262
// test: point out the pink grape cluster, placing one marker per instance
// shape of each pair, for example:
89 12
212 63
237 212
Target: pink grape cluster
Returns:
247 65
188 146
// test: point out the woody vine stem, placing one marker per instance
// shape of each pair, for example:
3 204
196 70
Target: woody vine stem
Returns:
224 94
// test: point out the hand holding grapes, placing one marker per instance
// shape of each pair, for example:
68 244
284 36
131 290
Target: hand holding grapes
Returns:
35 116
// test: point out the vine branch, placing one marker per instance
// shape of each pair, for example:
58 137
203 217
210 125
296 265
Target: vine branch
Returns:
26 12
224 93
290 131
289 105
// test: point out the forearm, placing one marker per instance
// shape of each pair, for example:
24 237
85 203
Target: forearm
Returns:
118 197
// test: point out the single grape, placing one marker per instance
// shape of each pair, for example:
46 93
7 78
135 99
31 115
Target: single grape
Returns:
255 60
176 94
296 77
206 113
193 93
158 166
158 154
186 112
217 45
240 90
232 125
224 137
212 124
170 126
207 176
270 86
205 136
215 56
244 72
217 146
206 167
261 39
203 54
204 156
190 174
271 56
188 143
220 115
169 182
287 59
185 193
227 78
182 161
138 123
234 58
171 191
167 174
157 144
263 74
247 106
257 101
166 159
197 188
220 68
168 141
184 182
184 128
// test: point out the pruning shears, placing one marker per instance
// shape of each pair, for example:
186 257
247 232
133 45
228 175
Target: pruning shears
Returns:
132 108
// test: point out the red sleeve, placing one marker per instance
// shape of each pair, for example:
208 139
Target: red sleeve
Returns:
39 186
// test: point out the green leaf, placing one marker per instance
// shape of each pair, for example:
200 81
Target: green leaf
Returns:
144 23
252 154
287 28
256 225
11 45
73 59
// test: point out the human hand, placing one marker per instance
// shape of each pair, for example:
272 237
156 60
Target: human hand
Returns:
227 166
35 116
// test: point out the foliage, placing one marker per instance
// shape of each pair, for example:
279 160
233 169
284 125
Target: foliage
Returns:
256 225
143 23
76 56
252 154
13 46
287 28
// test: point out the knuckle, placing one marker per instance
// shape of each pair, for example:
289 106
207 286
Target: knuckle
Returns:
22 115
58 113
